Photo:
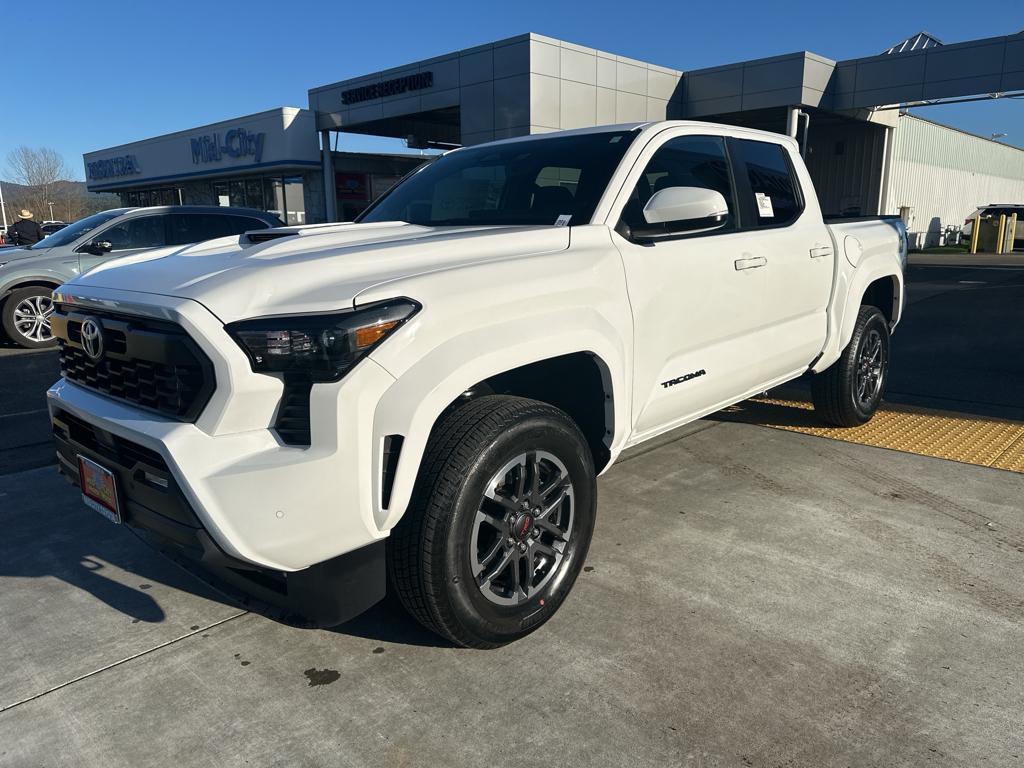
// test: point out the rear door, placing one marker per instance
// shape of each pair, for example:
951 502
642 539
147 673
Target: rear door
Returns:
779 206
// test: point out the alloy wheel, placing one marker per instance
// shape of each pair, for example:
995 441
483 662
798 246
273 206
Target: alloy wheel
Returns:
32 318
871 363
522 527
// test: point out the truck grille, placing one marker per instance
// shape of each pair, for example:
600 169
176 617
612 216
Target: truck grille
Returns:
152 364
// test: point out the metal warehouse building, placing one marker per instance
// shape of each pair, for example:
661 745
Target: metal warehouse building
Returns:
938 175
865 154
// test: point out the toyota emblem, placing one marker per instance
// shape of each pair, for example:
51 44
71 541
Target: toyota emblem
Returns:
92 339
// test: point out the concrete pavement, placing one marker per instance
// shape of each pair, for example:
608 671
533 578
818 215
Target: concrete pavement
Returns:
752 598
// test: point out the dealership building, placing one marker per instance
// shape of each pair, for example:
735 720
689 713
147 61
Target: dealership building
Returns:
865 154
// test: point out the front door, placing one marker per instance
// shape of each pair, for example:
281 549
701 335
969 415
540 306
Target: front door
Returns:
696 298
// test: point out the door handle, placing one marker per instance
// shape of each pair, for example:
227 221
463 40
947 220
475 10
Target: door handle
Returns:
821 250
752 263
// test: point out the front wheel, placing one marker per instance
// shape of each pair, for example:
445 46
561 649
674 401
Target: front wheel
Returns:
26 317
500 522
848 393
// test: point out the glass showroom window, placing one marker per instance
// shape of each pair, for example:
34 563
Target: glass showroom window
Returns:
273 195
220 193
295 206
254 193
147 197
282 197
236 195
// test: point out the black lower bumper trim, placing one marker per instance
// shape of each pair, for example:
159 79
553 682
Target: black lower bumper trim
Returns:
326 593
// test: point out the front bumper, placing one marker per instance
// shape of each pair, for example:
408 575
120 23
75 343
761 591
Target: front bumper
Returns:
327 593
262 502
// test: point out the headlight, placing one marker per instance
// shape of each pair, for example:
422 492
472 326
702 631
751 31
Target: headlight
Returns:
324 347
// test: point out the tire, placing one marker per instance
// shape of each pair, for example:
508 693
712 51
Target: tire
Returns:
466 518
21 315
848 392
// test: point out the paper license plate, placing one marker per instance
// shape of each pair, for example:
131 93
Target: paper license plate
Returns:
99 489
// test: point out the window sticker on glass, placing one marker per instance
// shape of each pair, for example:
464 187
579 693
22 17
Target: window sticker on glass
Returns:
764 206
563 220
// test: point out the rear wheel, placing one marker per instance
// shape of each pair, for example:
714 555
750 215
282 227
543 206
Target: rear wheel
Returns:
26 317
500 522
849 392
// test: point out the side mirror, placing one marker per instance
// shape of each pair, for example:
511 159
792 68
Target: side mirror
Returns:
685 204
683 209
99 247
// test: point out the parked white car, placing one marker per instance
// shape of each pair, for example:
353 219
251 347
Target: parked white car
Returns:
425 397
994 211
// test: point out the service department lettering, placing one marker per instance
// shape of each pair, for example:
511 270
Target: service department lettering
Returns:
398 85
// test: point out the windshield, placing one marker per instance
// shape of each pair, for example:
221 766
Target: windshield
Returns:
72 232
540 181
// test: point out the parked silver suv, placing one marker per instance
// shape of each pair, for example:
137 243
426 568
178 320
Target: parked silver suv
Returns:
28 275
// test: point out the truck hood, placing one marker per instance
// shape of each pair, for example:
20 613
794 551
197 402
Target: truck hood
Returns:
315 269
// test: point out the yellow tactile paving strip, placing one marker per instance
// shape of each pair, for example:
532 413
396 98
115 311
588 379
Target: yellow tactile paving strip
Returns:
969 439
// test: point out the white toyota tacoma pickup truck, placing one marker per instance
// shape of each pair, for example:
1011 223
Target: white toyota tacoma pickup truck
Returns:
423 398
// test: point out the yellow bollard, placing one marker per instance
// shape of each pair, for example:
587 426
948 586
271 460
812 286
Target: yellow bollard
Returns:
975 233
1002 233
1011 234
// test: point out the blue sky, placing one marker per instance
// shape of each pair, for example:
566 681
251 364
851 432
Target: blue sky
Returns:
101 73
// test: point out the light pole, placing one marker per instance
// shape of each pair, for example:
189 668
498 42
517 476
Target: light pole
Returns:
3 207
51 211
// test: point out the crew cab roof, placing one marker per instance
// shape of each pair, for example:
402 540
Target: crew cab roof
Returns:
653 126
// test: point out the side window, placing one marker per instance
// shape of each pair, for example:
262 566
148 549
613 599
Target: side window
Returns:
143 232
242 224
686 161
771 194
186 228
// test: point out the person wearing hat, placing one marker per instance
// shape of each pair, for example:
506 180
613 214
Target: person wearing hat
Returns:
25 231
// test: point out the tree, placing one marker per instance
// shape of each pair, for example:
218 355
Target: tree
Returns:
41 169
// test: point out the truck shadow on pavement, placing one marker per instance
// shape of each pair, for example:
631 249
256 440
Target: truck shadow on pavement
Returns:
51 536
388 622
